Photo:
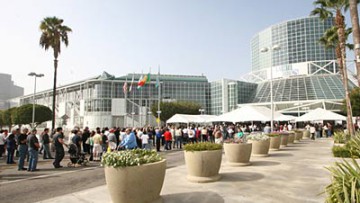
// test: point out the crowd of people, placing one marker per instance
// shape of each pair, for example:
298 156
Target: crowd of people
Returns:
27 145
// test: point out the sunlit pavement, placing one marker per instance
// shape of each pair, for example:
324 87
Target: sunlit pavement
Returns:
294 174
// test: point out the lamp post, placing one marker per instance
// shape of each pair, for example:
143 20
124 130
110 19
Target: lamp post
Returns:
270 50
33 110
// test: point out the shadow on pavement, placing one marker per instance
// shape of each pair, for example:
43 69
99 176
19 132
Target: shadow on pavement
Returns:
281 154
288 148
264 163
198 197
240 176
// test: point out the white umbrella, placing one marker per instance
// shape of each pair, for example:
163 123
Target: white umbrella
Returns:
320 114
283 117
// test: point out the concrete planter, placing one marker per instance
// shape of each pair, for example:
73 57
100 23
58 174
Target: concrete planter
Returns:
306 134
284 140
291 138
275 143
298 136
238 154
260 148
125 183
203 166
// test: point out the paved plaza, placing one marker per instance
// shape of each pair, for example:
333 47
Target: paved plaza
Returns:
294 174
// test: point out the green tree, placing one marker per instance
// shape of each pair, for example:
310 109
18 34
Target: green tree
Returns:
1 119
10 116
327 9
53 33
42 114
355 102
168 109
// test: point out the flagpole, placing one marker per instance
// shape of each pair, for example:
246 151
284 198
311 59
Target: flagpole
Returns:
125 92
159 99
133 104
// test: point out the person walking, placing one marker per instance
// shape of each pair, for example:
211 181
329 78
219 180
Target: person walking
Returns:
23 148
46 144
10 147
59 148
34 147
312 131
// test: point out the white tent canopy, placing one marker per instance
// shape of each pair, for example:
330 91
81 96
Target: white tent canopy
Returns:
185 118
247 114
283 117
320 114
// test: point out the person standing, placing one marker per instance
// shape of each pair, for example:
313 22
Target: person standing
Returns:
46 144
130 140
97 149
3 134
34 147
112 140
178 138
10 147
23 148
168 138
312 131
59 148
85 141
204 133
158 135
145 140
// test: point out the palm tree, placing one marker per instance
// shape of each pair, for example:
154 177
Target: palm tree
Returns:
327 9
354 14
53 33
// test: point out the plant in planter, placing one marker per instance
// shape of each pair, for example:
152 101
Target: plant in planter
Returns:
124 169
237 152
291 137
203 161
260 144
284 136
298 135
274 141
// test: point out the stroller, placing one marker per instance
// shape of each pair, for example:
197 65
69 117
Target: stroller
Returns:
76 157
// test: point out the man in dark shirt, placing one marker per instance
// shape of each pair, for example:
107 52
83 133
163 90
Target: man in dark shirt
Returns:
23 148
46 144
59 149
10 146
34 146
85 137
77 141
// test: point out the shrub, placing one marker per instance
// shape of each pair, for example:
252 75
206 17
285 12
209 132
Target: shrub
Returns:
345 184
257 137
341 137
234 141
135 157
202 146
354 146
339 151
273 135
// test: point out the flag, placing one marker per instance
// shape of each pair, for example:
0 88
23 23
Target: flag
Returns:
131 84
143 80
125 87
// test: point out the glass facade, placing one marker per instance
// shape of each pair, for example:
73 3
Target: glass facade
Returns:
298 41
316 87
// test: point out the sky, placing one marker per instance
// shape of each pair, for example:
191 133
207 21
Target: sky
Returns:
190 37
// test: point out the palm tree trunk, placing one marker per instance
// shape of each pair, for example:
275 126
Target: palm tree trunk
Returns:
356 35
54 95
339 20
